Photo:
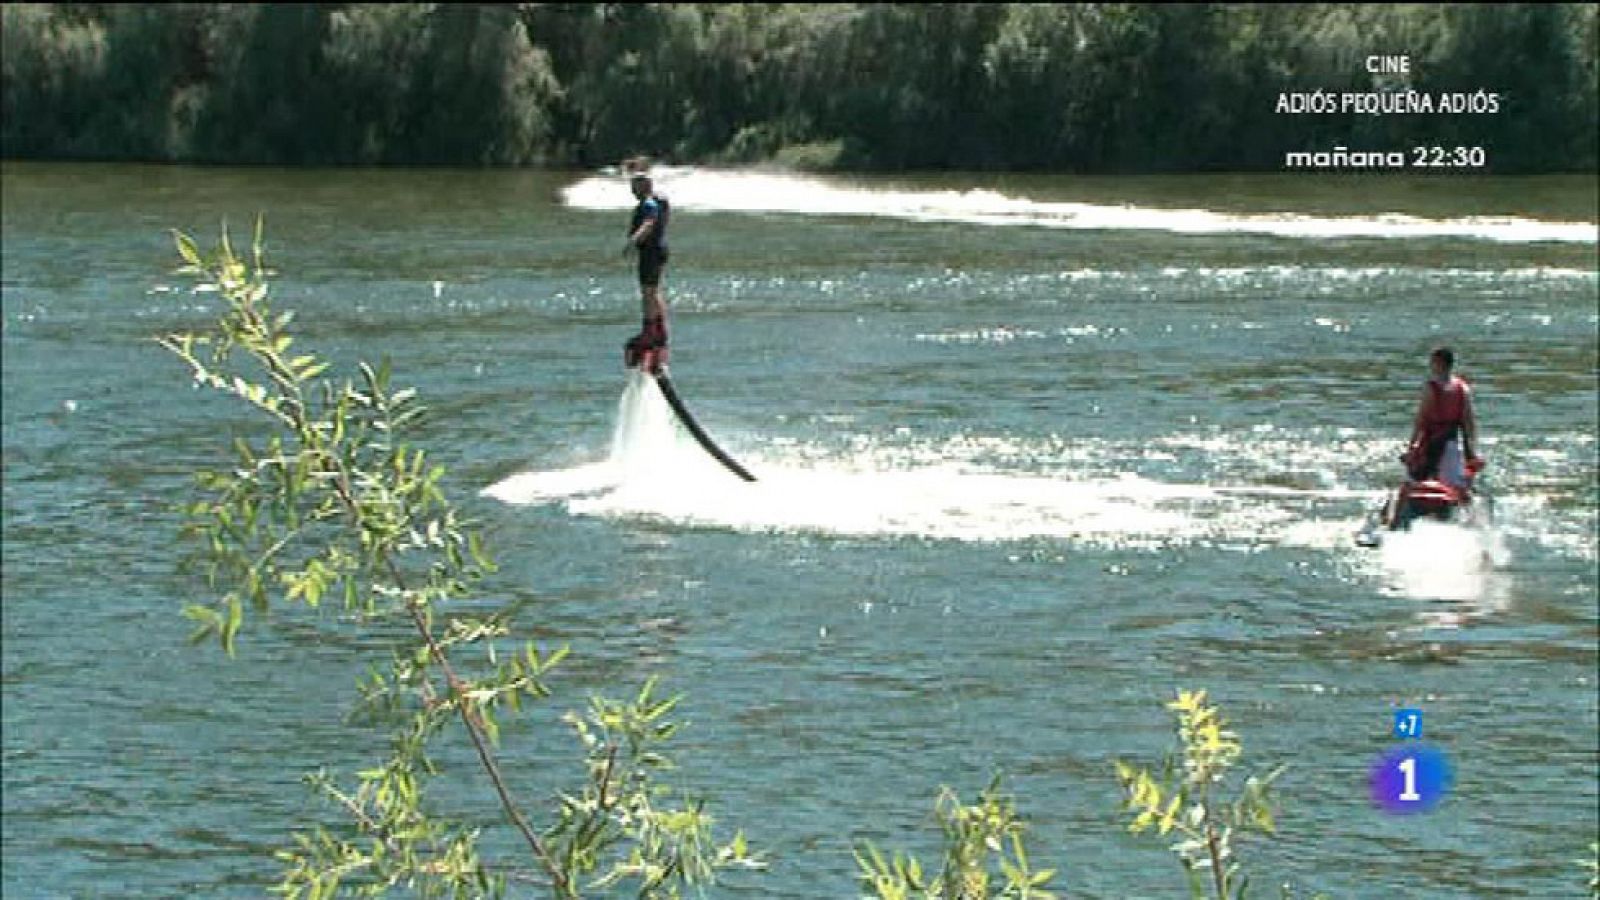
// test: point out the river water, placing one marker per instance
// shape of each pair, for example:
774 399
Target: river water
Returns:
1033 454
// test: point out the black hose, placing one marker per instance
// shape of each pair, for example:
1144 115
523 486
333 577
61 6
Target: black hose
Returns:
694 428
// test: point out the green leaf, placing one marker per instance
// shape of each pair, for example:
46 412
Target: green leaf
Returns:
490 727
258 244
235 617
202 614
187 249
479 556
555 658
1011 872
208 621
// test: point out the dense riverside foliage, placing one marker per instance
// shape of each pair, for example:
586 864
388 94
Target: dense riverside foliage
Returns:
1091 87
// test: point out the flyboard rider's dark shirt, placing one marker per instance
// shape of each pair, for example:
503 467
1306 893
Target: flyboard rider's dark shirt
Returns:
657 208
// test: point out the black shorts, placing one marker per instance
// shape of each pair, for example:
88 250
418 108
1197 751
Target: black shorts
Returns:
651 261
1428 465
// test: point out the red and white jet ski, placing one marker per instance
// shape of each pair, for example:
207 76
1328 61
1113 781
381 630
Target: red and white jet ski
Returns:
1432 499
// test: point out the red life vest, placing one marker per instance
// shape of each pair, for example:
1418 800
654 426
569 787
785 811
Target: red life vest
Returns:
1446 411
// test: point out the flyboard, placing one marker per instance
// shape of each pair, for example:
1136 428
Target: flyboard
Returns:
651 358
687 418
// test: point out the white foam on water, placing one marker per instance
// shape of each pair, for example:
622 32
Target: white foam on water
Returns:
988 488
647 446
526 488
775 192
656 471
1437 561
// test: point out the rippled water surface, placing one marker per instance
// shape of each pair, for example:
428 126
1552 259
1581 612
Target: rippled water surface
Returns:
1034 453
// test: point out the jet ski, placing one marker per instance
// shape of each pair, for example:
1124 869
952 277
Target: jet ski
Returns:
1431 499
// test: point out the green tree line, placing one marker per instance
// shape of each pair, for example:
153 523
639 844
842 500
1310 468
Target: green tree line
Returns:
1079 87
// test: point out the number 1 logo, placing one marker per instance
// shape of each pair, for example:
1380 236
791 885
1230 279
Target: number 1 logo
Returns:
1408 767
1411 779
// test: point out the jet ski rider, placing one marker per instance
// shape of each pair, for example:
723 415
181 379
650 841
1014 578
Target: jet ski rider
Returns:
1445 430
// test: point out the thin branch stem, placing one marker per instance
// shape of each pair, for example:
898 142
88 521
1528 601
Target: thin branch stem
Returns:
1216 859
361 816
605 777
470 717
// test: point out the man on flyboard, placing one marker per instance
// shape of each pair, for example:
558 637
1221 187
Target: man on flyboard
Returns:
647 237
647 350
